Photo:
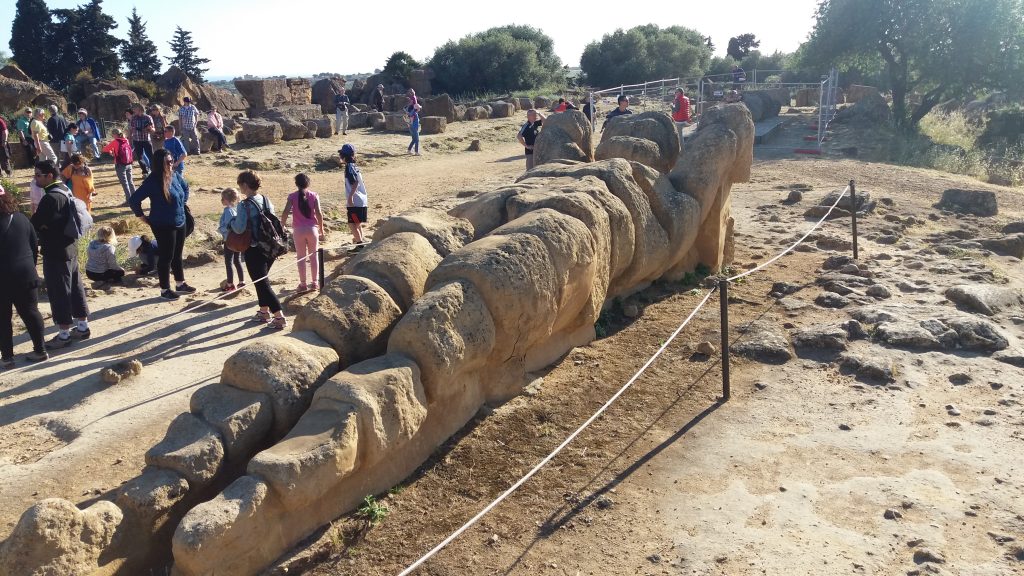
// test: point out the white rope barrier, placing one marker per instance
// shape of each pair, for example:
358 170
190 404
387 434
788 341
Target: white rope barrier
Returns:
561 446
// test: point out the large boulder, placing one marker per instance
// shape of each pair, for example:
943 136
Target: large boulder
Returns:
806 97
442 105
14 73
396 122
871 110
762 104
977 202
445 233
984 298
260 131
227 102
291 128
433 124
399 264
174 86
565 136
264 94
323 91
54 537
15 94
649 138
110 105
502 109
477 113
855 93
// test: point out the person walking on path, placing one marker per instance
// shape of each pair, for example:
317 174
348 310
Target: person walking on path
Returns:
23 125
19 283
121 150
229 198
189 117
176 149
80 175
355 196
681 114
41 138
142 146
527 135
341 104
167 192
89 133
378 98
413 112
215 126
5 150
156 112
60 258
307 230
258 265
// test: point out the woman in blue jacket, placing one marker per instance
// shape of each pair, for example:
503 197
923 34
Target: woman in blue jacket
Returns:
167 192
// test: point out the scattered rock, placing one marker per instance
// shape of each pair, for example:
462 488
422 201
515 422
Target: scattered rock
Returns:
985 299
1009 245
121 371
977 202
878 291
631 310
837 262
854 330
764 342
821 338
832 300
55 537
891 514
873 369
845 427
922 555
707 349
960 379
794 197
474 146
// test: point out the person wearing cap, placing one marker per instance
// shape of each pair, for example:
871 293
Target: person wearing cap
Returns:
147 251
355 196
189 117
121 149
23 126
5 150
156 112
88 133
57 125
341 104
142 146
622 110
378 98
41 137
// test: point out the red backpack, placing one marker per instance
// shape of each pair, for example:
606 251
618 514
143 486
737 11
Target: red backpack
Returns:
123 155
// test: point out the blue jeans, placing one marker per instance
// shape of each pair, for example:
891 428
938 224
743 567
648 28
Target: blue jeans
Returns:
83 140
414 131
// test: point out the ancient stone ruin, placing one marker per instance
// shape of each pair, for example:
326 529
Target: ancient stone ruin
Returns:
443 313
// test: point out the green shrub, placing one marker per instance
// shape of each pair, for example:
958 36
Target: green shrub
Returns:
144 88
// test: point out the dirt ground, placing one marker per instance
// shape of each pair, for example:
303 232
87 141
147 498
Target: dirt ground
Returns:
805 470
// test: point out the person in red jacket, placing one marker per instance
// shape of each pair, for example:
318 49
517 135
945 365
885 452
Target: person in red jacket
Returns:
681 114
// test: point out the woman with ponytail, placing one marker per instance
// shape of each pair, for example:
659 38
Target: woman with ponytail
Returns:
167 192
307 230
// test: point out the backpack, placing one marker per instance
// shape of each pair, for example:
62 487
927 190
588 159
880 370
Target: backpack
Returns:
269 235
78 221
123 154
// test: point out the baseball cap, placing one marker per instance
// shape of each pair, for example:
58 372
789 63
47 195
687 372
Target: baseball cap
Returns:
187 99
347 150
133 244
83 111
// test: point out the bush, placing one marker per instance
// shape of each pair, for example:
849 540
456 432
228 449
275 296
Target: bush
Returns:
11 187
500 60
144 88
645 53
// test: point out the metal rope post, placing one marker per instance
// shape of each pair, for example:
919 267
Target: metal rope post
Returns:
853 216
320 263
723 295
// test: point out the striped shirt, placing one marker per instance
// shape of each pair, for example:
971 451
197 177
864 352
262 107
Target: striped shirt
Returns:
188 115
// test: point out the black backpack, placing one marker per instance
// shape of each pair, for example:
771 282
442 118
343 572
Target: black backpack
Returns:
269 235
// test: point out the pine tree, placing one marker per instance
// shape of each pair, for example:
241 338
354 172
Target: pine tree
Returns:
97 47
29 31
139 52
64 60
185 56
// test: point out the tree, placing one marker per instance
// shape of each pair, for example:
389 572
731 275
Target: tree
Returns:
740 46
28 32
97 47
185 55
937 49
399 66
64 58
501 59
139 52
645 53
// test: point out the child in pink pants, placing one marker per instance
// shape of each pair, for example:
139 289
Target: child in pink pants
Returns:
308 228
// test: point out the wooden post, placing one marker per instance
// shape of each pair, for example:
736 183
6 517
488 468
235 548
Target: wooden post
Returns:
853 215
320 263
723 295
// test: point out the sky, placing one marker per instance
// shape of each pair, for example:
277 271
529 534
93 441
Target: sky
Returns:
303 37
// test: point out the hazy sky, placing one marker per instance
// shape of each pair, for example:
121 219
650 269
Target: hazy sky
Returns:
301 37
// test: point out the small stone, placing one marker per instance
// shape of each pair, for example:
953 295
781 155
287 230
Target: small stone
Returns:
760 385
915 542
654 558
922 555
878 291
631 311
493 539
706 348
960 379
844 427
891 514
120 371
832 300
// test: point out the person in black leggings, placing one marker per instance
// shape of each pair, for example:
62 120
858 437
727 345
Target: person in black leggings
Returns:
256 262
18 281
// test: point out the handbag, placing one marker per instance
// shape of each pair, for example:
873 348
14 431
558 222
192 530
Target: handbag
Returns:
190 221
238 242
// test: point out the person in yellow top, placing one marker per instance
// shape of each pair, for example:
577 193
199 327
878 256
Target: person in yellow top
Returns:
41 137
81 180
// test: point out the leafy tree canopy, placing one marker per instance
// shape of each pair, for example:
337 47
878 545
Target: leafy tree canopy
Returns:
935 48
139 52
28 30
645 53
399 66
501 59
740 46
186 55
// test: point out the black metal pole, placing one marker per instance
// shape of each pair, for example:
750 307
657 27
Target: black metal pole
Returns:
723 295
320 263
853 215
